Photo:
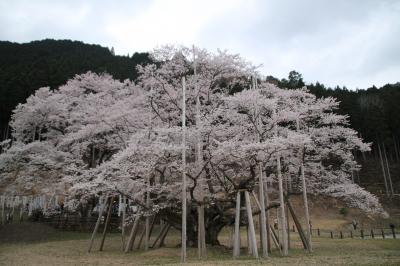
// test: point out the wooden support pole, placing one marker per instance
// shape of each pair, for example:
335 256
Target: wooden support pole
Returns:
231 237
201 231
298 225
160 234
341 235
3 204
141 238
106 224
287 225
275 239
393 233
144 232
267 215
305 199
372 233
96 228
202 248
351 234
362 233
147 219
282 219
132 235
251 225
383 234
263 217
21 212
318 231
162 239
184 210
123 222
236 241
249 242
331 234
153 224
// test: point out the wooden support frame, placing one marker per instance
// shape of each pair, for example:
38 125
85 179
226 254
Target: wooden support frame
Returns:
263 223
275 239
236 238
252 233
144 232
299 228
161 235
162 239
133 233
106 223
96 228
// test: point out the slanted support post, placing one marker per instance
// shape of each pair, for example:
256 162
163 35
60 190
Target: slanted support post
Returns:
106 224
132 235
252 232
96 228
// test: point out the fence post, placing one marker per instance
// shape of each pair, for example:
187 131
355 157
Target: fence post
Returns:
362 233
319 233
293 229
383 234
331 234
372 233
341 235
351 233
393 232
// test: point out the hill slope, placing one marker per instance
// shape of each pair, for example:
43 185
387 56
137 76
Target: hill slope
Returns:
26 67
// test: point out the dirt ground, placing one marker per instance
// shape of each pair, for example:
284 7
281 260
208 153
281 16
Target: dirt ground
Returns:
39 244
36 244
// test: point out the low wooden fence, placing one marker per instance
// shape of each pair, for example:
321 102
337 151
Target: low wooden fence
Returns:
382 233
73 222
69 221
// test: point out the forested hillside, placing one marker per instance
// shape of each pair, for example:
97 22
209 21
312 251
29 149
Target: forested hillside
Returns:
26 67
373 112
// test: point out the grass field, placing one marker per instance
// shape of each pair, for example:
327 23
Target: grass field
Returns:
69 248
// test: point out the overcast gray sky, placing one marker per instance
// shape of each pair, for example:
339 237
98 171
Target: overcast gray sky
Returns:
352 43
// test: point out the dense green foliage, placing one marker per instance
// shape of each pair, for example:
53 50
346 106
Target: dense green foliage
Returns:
26 67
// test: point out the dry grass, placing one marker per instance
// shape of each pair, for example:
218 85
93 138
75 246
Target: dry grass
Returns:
66 248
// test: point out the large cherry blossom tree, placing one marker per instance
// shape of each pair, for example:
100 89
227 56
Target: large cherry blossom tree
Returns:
96 134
